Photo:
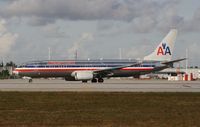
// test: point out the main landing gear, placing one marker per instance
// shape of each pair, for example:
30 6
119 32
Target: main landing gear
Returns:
94 80
84 81
99 80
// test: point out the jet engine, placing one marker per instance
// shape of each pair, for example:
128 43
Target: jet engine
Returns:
83 75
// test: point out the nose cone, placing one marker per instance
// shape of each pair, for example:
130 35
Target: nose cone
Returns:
15 72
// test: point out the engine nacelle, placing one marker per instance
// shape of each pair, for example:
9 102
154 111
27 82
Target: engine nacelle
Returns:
82 75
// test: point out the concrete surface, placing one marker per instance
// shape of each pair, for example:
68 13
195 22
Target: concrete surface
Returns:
110 85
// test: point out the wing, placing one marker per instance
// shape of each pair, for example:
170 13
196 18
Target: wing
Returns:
108 71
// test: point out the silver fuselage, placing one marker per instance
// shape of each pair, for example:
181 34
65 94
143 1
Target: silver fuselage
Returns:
65 68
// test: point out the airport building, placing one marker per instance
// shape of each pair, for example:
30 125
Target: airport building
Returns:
180 73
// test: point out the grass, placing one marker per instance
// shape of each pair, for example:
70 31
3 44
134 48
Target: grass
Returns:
99 109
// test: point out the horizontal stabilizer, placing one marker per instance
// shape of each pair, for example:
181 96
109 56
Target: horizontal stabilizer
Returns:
174 61
170 63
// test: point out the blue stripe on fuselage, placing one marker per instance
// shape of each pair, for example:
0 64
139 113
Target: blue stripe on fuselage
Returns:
85 63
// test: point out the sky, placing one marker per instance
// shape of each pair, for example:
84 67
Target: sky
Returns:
96 29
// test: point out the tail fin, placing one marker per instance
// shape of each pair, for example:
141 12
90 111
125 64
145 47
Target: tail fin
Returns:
164 51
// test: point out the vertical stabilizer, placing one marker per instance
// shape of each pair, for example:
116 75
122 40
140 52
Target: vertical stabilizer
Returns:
164 50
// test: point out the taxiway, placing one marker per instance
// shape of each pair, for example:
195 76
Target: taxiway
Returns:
111 85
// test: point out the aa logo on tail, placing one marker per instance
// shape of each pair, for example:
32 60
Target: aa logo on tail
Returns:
164 50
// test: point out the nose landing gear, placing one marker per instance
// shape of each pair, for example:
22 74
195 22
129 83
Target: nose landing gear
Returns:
30 80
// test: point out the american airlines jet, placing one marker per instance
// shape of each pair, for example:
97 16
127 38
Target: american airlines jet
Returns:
96 70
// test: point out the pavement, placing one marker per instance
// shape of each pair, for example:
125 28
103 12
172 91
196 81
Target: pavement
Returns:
110 85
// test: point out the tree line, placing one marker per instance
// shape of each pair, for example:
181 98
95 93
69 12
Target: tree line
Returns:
8 64
4 72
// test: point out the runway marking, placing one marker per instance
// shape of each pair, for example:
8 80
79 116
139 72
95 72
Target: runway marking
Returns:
185 85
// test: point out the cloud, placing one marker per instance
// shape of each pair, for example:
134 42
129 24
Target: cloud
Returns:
42 12
143 24
192 25
7 39
79 44
142 15
136 52
53 31
104 25
40 21
2 27
50 10
193 52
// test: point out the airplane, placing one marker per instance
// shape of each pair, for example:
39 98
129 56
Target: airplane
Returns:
98 69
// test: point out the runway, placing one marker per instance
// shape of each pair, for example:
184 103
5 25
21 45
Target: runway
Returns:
110 85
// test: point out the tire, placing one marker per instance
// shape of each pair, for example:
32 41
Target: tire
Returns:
30 80
94 80
100 80
84 81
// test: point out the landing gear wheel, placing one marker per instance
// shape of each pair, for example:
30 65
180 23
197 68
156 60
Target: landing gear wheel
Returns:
30 80
94 80
100 80
84 81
